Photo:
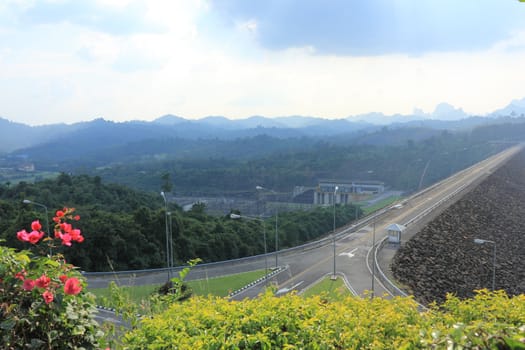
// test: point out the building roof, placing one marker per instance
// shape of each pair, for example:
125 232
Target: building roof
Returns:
349 182
396 227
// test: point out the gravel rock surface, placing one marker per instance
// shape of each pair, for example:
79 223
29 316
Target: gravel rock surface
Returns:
443 258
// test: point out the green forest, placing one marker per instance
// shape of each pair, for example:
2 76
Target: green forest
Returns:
125 229
404 167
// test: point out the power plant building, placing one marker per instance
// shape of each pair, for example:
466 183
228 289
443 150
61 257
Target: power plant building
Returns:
347 191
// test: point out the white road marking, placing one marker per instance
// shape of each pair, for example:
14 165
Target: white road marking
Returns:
286 290
350 254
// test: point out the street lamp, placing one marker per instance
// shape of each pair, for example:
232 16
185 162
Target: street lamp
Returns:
168 250
27 201
237 216
260 188
483 241
335 193
373 258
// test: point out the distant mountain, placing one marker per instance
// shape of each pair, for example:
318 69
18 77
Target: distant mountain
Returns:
170 119
443 111
515 109
16 135
382 119
453 125
99 134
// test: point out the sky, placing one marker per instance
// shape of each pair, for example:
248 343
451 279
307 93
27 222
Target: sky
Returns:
65 61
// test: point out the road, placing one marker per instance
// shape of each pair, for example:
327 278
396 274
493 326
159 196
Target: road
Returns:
305 265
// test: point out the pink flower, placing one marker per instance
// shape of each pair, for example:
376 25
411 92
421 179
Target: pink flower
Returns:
76 217
59 213
43 281
48 296
72 286
62 278
29 284
35 225
66 238
66 227
35 236
21 275
76 235
22 236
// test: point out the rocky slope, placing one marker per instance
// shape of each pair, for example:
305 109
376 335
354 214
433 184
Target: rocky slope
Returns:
443 258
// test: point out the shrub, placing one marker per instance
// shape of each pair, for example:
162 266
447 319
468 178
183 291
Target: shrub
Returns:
43 303
489 321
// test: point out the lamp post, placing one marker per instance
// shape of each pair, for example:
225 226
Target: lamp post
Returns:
27 201
260 188
237 216
168 254
373 258
483 241
335 193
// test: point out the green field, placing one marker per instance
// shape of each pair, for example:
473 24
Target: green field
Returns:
331 290
380 205
220 286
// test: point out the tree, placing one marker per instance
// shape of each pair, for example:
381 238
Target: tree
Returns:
167 185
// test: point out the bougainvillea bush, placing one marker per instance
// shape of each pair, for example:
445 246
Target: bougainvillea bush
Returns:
43 302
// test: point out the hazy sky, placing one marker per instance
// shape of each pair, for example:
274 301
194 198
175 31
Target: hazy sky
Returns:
67 61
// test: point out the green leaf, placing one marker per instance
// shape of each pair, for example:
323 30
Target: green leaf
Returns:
72 315
36 343
8 324
52 263
515 344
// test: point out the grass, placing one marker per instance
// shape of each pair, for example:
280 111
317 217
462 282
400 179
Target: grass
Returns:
381 204
332 290
219 286
222 286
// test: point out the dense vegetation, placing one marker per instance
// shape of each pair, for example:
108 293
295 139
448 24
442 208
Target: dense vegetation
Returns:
403 167
126 228
488 321
403 157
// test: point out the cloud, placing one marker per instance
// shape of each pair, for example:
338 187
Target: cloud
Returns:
65 61
115 20
376 27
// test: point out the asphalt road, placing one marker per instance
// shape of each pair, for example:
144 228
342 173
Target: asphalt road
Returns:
307 264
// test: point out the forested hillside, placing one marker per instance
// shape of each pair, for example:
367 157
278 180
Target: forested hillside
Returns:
125 229
404 167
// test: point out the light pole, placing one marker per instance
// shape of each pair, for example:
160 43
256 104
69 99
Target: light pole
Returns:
27 201
170 230
260 188
335 193
168 254
483 241
237 216
373 258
